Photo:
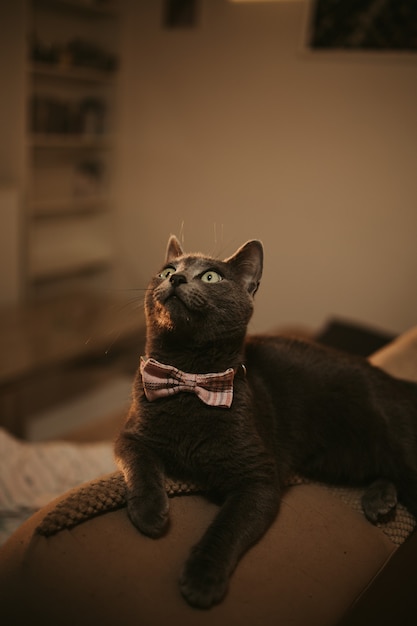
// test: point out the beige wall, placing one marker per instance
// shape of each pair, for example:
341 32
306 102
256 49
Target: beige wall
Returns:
232 131
9 245
12 146
12 91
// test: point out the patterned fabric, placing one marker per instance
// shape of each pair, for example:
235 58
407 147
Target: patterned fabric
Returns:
161 380
109 494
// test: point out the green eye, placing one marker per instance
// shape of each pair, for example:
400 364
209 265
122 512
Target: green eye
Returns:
167 272
211 277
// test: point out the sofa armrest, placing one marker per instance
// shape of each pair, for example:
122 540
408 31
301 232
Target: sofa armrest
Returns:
390 598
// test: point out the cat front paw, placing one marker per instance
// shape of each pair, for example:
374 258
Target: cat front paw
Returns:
203 584
150 513
379 500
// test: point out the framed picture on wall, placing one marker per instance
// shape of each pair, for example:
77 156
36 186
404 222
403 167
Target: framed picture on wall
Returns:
180 13
374 25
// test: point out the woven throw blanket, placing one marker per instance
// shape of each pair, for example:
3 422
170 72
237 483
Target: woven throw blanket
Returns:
109 493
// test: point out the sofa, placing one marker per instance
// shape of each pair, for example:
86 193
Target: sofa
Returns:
320 564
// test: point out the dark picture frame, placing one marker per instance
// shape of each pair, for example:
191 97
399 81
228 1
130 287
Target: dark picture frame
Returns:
180 13
374 25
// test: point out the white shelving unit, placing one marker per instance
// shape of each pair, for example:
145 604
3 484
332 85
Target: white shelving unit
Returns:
66 337
71 85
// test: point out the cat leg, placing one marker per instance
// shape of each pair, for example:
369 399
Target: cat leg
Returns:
147 500
241 521
379 500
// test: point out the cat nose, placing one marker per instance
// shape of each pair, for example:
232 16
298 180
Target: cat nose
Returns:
177 279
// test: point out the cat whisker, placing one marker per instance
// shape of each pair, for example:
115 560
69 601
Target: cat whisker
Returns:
119 312
106 352
182 236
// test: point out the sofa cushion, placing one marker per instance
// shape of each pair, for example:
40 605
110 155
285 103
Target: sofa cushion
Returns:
311 565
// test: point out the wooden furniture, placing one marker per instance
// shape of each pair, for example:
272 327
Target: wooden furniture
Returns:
54 349
71 71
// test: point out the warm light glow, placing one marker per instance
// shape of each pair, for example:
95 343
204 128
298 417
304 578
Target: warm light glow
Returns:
260 1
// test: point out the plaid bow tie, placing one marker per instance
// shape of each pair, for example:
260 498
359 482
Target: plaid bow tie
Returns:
161 380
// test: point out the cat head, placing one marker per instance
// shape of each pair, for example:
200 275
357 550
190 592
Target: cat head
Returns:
201 297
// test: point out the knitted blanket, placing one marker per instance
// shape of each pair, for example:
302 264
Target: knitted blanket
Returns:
109 493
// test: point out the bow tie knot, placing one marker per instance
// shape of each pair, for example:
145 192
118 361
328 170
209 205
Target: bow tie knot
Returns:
160 380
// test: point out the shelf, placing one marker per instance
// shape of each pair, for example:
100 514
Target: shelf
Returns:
72 73
66 263
66 206
75 244
50 141
83 7
50 332
71 268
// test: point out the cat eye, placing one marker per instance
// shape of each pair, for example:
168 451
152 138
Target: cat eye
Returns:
167 272
211 277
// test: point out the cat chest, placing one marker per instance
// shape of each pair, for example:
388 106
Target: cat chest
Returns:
183 429
205 445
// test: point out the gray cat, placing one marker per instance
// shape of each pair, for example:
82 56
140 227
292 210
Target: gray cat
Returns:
239 415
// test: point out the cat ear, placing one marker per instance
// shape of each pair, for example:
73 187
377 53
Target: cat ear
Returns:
174 249
248 263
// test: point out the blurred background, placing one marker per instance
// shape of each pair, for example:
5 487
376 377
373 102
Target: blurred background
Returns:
293 122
